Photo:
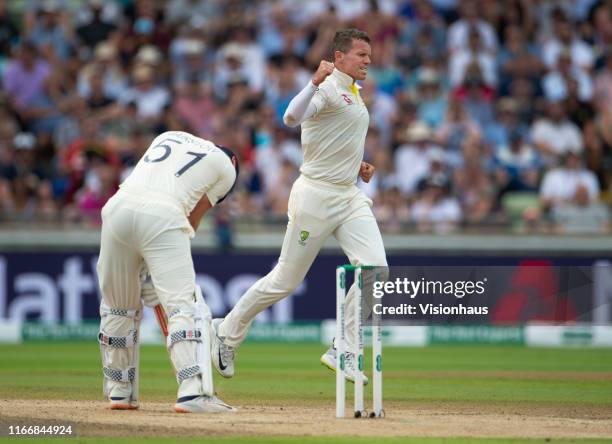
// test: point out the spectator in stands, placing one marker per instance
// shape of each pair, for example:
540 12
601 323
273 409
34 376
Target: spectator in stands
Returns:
517 165
189 61
462 61
201 12
223 69
517 58
459 32
150 99
431 98
100 185
456 130
412 161
560 184
8 32
554 135
423 37
96 29
603 86
392 210
581 53
195 107
581 214
497 132
476 96
557 82
474 186
24 78
106 64
436 209
49 27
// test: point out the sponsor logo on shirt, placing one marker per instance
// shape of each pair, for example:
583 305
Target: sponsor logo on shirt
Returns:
347 99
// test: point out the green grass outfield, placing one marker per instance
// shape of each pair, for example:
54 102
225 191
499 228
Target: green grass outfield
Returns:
481 375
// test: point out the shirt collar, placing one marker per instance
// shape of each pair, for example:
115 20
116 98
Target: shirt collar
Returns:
344 79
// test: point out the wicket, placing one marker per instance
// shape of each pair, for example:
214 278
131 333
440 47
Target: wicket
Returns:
358 357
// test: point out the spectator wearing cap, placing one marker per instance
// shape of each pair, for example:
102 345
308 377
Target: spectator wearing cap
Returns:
435 209
431 99
557 82
554 134
560 184
24 146
150 99
189 61
230 67
106 64
517 165
23 177
151 56
251 55
412 159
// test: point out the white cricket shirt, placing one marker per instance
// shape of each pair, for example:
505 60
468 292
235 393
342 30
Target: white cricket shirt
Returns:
180 168
333 137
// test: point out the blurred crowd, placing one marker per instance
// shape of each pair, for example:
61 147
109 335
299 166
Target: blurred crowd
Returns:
483 113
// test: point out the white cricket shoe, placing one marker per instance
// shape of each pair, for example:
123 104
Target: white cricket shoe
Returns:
222 355
117 403
118 399
329 360
202 404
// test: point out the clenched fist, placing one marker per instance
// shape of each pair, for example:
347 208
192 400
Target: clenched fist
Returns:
366 171
325 68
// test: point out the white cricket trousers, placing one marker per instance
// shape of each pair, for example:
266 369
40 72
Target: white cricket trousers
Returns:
316 211
135 229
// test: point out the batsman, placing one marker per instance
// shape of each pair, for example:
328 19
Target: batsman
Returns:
146 230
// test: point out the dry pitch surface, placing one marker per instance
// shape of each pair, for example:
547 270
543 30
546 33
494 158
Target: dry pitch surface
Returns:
92 418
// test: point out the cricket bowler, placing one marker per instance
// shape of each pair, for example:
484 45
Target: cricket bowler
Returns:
324 201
